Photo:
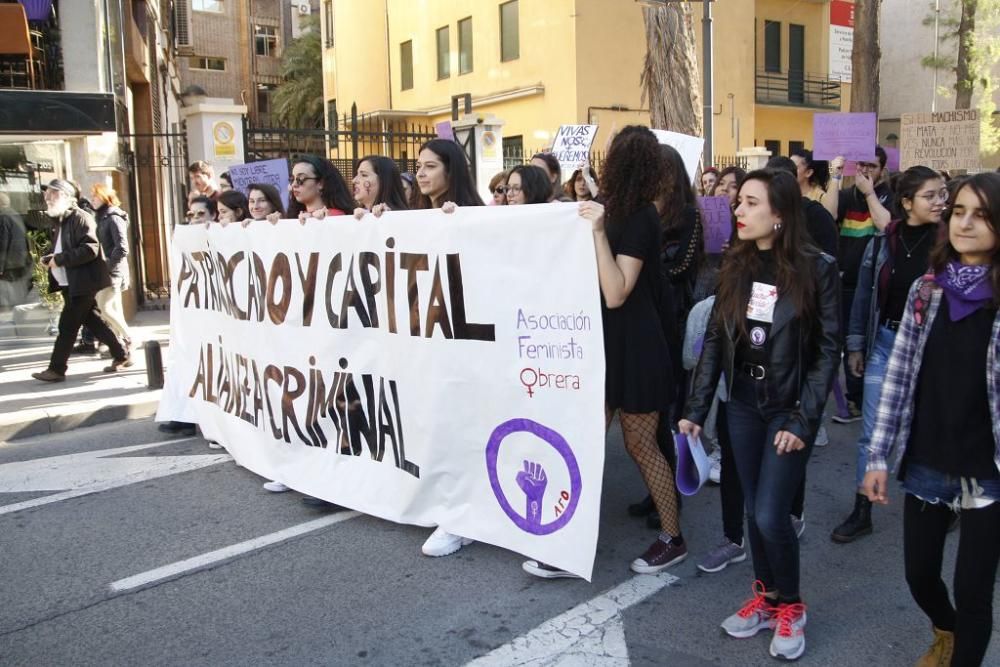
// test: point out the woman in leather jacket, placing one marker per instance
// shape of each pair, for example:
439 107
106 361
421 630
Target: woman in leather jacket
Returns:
775 335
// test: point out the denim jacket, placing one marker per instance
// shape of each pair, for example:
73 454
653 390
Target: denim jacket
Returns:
895 408
867 306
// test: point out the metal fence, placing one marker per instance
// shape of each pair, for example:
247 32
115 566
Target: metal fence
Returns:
350 138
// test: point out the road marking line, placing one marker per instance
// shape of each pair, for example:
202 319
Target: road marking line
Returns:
212 557
135 470
590 633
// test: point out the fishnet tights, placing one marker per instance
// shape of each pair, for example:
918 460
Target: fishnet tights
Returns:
639 432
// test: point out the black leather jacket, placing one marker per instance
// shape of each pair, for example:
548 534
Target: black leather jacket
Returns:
86 269
802 366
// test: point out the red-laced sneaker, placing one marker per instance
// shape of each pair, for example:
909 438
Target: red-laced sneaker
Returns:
755 615
789 641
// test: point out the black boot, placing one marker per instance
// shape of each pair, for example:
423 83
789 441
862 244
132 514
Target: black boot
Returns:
859 523
642 508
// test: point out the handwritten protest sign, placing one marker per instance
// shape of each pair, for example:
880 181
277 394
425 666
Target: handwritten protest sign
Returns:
852 135
689 147
405 367
716 222
572 146
947 140
273 172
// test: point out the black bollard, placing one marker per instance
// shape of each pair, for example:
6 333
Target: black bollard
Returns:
154 364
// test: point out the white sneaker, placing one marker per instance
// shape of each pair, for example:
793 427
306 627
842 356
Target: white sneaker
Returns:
275 487
789 640
443 543
212 444
715 472
822 438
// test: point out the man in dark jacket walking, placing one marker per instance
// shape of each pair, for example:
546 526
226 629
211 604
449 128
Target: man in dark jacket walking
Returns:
77 268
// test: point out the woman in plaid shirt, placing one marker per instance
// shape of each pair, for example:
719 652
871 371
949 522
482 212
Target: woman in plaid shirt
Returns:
942 413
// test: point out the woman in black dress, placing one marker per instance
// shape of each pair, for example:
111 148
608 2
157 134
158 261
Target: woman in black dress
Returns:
638 384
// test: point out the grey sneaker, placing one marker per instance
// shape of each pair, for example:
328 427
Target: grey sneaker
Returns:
718 558
789 640
546 571
755 615
799 524
822 437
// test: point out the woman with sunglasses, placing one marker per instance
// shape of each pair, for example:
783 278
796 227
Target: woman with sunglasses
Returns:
775 334
318 190
378 187
893 260
940 409
202 210
498 188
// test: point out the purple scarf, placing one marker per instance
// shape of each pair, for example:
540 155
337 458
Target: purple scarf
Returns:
968 288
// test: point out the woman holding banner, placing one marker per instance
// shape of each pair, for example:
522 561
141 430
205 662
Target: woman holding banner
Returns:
638 380
527 184
444 182
775 333
378 187
264 202
318 190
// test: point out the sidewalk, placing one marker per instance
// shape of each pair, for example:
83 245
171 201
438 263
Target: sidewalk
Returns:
89 396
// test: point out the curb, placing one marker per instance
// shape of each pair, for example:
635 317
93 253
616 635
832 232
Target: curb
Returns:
29 423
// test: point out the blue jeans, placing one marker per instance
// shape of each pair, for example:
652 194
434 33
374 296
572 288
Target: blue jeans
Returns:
875 365
770 483
936 487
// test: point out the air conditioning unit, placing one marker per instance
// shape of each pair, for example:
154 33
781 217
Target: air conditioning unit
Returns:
182 27
305 9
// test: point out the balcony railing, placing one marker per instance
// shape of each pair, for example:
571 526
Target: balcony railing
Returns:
797 89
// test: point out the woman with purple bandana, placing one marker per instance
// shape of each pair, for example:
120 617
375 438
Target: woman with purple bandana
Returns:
940 407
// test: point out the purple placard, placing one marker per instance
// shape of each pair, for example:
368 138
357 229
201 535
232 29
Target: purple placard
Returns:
892 161
852 135
716 222
444 130
274 172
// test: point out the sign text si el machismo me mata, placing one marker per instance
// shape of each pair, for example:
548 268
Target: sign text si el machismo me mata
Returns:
405 366
943 140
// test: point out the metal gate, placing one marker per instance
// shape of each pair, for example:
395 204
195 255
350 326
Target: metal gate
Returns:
350 138
154 162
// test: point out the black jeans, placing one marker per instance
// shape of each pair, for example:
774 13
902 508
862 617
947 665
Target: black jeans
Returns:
77 311
729 485
925 527
770 483
854 388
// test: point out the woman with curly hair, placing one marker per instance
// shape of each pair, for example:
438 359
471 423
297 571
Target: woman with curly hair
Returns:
638 379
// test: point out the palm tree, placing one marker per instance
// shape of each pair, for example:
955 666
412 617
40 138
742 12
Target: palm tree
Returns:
670 78
298 101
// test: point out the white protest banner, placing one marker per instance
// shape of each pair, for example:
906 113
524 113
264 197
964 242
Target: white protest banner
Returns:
272 172
406 367
689 147
572 147
942 140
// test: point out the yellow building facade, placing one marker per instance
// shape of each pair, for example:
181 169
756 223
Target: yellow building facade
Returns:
539 64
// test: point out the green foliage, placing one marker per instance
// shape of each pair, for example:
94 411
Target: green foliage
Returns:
298 101
983 46
38 242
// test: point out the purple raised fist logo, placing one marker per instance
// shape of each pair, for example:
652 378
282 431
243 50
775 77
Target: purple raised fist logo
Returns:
533 480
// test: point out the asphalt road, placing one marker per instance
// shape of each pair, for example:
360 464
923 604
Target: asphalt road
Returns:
356 591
